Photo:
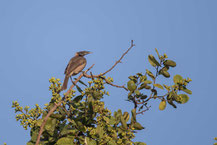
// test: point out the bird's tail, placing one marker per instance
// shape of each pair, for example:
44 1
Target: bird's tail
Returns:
65 83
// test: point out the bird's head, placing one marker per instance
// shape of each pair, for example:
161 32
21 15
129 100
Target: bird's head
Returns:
83 53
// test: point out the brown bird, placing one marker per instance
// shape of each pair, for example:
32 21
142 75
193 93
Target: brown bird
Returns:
75 66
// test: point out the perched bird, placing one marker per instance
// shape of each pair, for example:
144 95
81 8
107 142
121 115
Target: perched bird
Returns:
75 66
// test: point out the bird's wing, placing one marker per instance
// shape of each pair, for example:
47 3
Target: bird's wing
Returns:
74 63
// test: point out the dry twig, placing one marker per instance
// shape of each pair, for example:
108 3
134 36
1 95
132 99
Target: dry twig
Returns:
110 83
102 74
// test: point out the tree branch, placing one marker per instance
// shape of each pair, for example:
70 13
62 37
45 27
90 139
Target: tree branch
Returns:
102 74
57 105
147 108
110 83
119 59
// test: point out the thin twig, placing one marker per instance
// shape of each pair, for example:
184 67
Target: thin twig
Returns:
57 105
102 74
147 108
91 74
120 58
110 83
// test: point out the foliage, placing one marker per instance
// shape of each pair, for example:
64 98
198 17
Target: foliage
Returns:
83 118
215 140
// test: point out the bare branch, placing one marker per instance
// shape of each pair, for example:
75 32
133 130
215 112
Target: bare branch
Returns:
45 120
119 61
110 83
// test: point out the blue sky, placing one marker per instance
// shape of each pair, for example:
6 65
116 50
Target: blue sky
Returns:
37 39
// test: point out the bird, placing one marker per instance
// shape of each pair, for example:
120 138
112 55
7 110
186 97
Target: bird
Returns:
75 66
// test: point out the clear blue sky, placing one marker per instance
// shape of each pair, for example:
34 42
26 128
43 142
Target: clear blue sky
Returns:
37 39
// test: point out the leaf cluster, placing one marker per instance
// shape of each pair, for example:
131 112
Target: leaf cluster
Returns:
82 118
144 87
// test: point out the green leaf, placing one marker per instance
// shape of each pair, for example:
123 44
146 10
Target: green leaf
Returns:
97 95
157 53
138 126
187 91
167 87
139 74
112 120
80 126
147 82
30 143
170 101
184 98
178 99
133 119
162 105
77 98
159 86
165 73
139 143
118 115
90 141
137 92
170 63
123 122
81 82
143 96
79 89
99 131
126 116
34 134
39 122
68 130
165 68
143 78
119 112
131 85
112 142
177 78
106 119
150 74
57 116
147 87
153 61
45 142
133 78
65 141
50 125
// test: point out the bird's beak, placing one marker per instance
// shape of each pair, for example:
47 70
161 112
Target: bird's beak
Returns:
89 52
